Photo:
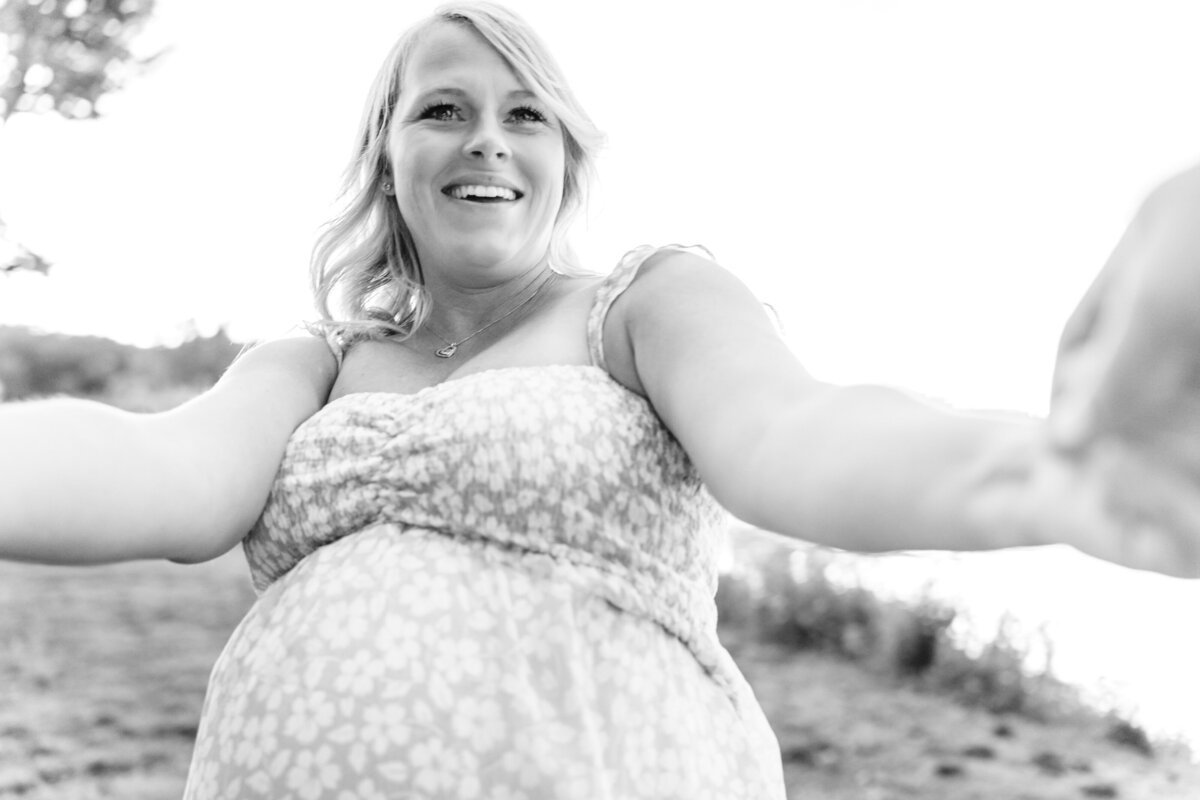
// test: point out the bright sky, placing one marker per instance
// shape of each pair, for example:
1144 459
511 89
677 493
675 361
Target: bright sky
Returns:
922 189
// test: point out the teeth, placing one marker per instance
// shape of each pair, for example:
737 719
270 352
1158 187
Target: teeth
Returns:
463 192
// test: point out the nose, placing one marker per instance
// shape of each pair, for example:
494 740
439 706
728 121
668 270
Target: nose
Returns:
487 141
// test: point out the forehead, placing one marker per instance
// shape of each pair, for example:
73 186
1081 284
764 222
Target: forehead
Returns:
450 55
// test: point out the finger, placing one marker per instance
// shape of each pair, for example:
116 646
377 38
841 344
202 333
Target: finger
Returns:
1070 423
1084 382
1149 365
1157 507
1163 229
1084 349
1082 322
1165 541
1083 319
1090 359
1148 547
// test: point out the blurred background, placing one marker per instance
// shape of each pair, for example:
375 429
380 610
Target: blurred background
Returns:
922 190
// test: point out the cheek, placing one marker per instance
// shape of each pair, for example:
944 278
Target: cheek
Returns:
405 169
414 161
412 180
552 174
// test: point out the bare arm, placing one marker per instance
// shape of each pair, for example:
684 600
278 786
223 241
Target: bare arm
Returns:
863 468
83 483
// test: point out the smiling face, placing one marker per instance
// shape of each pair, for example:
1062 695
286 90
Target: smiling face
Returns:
477 160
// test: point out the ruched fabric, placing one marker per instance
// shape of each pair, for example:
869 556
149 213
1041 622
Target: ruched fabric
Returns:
500 586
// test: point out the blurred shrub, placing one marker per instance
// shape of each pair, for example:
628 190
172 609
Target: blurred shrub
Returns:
134 395
808 599
35 365
998 677
800 607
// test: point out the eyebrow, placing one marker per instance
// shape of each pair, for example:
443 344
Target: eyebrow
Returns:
523 94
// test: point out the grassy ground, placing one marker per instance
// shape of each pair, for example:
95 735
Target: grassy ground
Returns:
102 673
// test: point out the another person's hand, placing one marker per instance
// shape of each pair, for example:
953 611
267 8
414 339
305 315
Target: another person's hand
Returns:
1126 400
1107 501
1117 502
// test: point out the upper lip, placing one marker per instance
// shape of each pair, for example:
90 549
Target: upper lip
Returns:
482 180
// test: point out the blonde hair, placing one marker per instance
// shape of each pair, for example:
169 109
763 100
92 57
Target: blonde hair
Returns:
366 253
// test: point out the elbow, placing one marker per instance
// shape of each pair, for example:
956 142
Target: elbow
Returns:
198 558
206 539
741 507
199 551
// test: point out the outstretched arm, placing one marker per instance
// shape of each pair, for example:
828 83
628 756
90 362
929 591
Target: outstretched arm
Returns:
83 483
862 468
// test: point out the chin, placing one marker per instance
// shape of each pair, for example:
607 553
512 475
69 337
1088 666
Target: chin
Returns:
488 254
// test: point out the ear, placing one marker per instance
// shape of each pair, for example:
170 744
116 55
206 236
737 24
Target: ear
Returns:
387 184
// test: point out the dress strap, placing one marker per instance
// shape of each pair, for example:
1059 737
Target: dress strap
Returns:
336 337
612 287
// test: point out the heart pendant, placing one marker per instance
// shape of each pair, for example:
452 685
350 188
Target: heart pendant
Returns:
447 351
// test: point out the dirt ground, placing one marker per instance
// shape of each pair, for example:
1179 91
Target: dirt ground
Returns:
102 674
846 733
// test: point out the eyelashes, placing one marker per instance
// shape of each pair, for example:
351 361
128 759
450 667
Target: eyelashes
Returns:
448 112
530 113
438 112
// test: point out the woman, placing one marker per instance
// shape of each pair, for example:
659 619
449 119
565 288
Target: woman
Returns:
483 511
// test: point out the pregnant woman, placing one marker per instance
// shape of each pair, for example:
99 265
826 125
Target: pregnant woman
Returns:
482 503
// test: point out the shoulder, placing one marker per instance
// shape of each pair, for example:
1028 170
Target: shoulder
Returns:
282 380
234 436
670 294
690 337
673 281
647 266
265 394
673 262
305 357
1181 188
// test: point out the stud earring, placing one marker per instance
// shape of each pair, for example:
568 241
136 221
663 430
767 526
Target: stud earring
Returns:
387 188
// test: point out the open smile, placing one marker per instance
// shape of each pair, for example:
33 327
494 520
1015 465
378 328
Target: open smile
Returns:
477 193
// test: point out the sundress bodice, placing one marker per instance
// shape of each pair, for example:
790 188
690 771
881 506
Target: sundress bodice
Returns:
560 461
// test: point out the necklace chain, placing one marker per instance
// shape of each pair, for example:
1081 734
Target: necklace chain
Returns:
452 347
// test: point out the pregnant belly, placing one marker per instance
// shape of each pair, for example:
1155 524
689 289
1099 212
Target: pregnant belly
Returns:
409 659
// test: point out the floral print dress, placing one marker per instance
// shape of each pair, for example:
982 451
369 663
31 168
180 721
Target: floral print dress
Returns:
501 586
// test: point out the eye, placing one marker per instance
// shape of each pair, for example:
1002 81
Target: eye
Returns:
527 114
439 112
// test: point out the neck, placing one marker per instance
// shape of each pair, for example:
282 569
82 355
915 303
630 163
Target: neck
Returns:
460 310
